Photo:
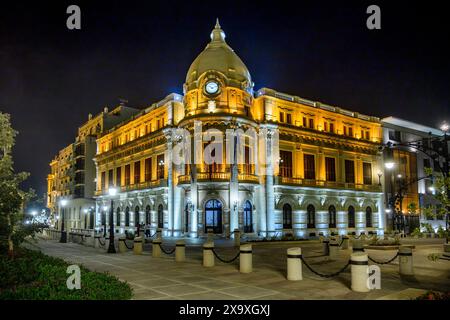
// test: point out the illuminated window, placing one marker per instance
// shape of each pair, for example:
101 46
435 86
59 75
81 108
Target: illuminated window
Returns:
310 167
367 173
285 163
330 169
349 171
281 116
288 118
137 172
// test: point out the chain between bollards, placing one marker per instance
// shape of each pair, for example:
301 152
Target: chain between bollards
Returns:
125 243
100 242
166 252
386 262
223 260
322 274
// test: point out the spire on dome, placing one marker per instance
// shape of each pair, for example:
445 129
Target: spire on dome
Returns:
217 35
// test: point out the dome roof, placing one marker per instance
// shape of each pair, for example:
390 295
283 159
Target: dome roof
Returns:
218 56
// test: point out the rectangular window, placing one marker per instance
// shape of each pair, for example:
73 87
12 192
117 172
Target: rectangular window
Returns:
118 176
350 131
332 127
310 167
426 163
281 116
103 180
285 163
349 171
325 126
127 174
110 178
289 118
137 172
311 123
148 169
304 121
394 135
367 173
367 135
160 164
330 169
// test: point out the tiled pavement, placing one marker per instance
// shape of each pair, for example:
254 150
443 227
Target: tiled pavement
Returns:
163 278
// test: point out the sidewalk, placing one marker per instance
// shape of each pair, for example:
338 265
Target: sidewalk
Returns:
163 278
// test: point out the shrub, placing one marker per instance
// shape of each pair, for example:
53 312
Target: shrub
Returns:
35 276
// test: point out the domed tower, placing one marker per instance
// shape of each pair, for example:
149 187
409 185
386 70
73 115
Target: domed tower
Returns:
218 81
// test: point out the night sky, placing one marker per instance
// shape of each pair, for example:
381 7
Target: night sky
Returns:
52 77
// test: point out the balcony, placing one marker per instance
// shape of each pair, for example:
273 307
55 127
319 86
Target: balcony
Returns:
325 184
213 176
184 179
138 186
248 178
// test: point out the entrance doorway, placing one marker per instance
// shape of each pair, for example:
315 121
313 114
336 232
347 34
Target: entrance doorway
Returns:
213 216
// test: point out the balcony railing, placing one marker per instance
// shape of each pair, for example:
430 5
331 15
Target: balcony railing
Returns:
248 178
325 184
137 186
184 179
213 176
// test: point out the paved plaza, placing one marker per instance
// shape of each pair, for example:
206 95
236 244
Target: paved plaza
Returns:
163 278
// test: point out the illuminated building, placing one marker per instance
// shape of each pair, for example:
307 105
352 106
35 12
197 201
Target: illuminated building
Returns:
324 179
73 174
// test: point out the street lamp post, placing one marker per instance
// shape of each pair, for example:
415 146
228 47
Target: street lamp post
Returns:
63 239
104 221
111 248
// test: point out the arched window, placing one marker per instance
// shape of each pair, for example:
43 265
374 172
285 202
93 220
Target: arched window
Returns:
118 217
331 217
136 216
369 217
287 216
127 217
147 215
160 216
213 216
311 216
248 219
351 217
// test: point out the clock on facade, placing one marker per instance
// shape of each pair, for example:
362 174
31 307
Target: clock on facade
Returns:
212 87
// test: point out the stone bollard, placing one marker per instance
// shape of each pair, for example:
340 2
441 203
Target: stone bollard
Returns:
357 245
359 262
405 261
156 249
294 264
210 235
245 258
97 241
137 249
122 246
208 255
326 247
344 243
334 247
180 251
158 233
237 237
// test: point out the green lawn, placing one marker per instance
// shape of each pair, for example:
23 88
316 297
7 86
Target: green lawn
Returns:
35 276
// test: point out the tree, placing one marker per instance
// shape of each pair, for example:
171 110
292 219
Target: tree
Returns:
12 198
441 185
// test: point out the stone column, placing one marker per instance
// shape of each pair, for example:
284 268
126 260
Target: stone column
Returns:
170 183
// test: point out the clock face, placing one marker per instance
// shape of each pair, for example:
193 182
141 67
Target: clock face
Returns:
212 87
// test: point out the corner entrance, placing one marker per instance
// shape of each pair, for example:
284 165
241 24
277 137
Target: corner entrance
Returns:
213 216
